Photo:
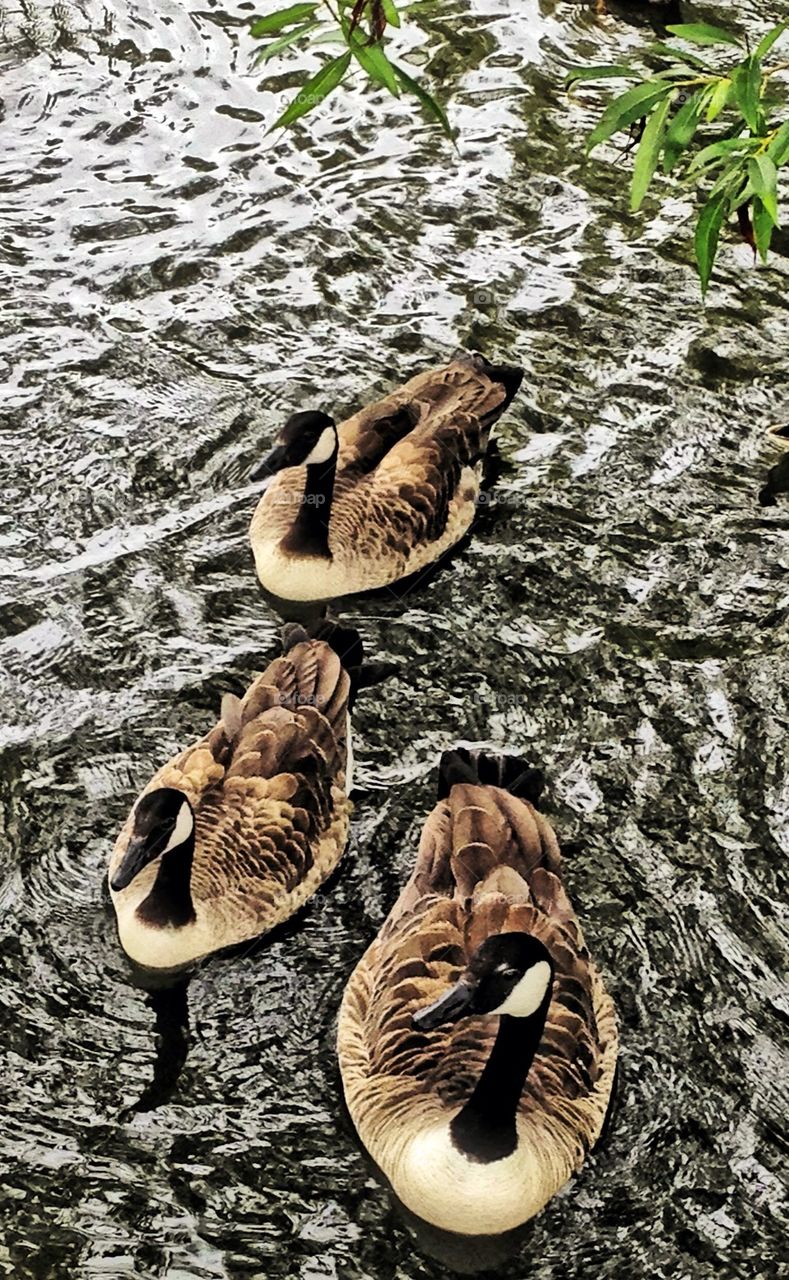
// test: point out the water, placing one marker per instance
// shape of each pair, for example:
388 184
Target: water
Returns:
175 283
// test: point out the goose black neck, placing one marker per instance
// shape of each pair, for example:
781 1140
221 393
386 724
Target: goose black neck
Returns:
486 1128
309 533
170 901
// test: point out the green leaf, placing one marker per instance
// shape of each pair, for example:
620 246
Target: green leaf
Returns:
374 62
273 22
276 46
720 96
330 37
766 43
740 191
675 73
702 33
778 150
731 184
719 150
648 153
682 128
762 227
707 235
390 13
607 72
764 180
746 84
427 101
679 55
314 90
629 106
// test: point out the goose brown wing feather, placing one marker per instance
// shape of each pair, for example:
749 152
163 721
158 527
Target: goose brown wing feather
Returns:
405 499
369 435
388 1067
435 396
264 799
406 481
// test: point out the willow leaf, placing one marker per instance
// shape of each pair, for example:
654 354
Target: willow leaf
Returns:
747 84
426 100
703 33
719 98
679 55
708 231
314 90
648 153
763 225
374 62
682 128
610 71
778 150
720 150
274 22
277 46
764 180
733 181
766 43
631 105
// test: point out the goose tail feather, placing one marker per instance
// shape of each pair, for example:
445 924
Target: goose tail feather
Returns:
509 376
481 767
349 648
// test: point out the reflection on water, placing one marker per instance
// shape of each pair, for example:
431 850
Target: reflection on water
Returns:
179 282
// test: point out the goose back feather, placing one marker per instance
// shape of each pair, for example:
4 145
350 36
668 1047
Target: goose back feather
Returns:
408 472
488 865
267 788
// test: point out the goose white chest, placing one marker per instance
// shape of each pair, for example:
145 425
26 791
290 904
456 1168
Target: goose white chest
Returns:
436 1181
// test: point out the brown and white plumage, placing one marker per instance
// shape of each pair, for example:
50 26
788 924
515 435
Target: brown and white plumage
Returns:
384 494
266 790
488 872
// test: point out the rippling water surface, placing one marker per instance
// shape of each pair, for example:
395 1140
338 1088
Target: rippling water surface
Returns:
176 282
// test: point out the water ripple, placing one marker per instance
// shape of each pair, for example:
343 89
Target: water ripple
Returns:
178 283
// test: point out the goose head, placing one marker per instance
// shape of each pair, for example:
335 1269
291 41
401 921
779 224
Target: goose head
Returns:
163 822
510 973
306 439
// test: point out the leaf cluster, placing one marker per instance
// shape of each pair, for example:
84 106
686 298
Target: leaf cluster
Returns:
712 126
361 29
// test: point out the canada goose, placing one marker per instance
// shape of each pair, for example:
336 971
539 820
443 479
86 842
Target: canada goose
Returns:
384 494
477 1043
232 836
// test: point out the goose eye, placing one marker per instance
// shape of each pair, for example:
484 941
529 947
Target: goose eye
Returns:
509 973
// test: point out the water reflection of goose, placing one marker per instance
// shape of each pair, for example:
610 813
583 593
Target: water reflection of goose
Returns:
477 1042
383 495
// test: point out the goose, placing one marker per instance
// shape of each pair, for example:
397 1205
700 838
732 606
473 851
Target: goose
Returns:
233 835
382 496
477 1043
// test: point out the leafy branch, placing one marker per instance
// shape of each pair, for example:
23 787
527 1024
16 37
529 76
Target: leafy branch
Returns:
736 165
362 28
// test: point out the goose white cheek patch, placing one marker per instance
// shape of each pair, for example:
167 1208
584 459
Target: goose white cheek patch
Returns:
528 994
323 448
182 829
